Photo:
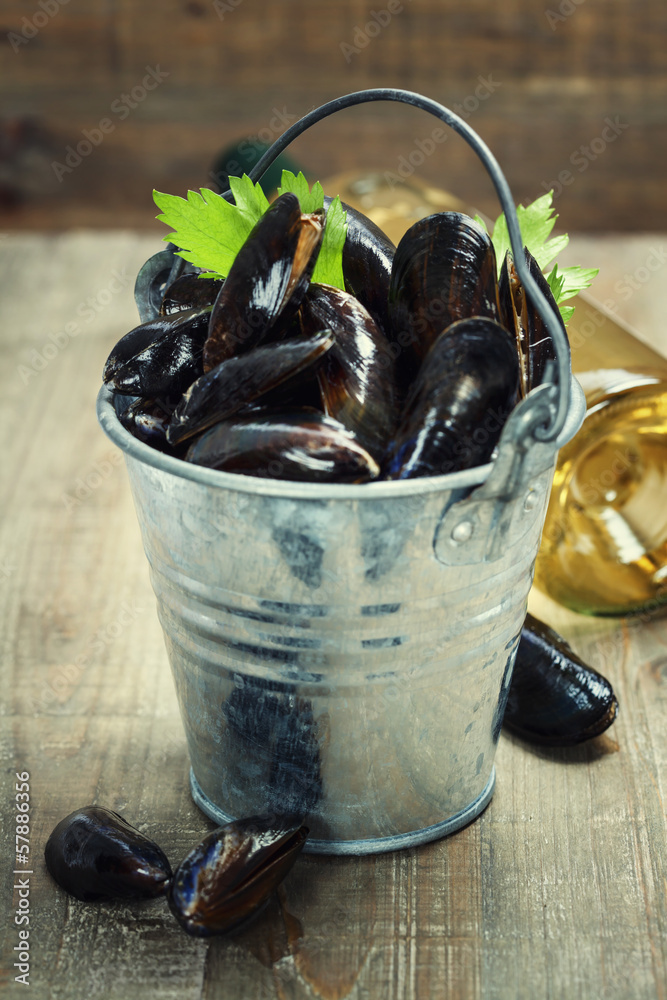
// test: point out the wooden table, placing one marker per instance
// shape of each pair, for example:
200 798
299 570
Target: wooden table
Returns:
557 891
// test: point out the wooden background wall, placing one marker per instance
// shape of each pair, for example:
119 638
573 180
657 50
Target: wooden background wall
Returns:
557 69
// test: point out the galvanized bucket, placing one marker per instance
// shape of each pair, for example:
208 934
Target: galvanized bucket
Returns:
345 652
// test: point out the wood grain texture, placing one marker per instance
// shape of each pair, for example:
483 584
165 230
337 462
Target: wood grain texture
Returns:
557 891
555 81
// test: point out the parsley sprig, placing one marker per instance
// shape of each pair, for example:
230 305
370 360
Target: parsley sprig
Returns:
536 222
210 230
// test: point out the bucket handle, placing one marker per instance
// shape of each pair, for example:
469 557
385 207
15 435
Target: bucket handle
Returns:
556 376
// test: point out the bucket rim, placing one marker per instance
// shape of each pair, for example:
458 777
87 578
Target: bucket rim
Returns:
257 485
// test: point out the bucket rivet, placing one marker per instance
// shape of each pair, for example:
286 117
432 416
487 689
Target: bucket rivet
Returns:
531 500
462 531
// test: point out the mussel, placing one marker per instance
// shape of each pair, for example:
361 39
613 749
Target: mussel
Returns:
357 377
297 445
94 854
267 280
189 291
227 878
459 402
368 255
170 364
534 342
143 336
555 699
218 394
148 420
444 270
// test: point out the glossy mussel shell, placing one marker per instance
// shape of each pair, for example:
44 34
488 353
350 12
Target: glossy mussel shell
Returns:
266 282
534 341
170 361
219 393
229 876
189 291
458 405
94 854
298 445
555 699
368 255
444 270
357 376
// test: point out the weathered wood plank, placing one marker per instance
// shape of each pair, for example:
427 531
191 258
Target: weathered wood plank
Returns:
550 86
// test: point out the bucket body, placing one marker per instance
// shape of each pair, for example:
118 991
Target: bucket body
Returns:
343 652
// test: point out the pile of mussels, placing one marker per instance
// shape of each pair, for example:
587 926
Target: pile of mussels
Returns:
410 372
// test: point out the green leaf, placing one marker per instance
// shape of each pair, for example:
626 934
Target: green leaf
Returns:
329 266
536 221
575 280
555 282
210 230
310 201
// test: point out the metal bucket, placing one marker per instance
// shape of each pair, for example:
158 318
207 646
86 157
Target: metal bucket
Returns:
345 652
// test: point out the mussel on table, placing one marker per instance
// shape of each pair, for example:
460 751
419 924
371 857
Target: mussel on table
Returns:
219 393
458 404
94 854
266 282
297 445
229 877
555 699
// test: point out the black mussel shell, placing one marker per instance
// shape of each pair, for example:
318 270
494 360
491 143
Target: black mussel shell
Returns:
297 445
169 365
267 280
555 699
143 336
368 255
227 878
148 420
444 270
151 282
189 291
94 854
458 405
357 376
218 394
534 342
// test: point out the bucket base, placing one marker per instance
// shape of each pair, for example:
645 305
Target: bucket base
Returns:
373 845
